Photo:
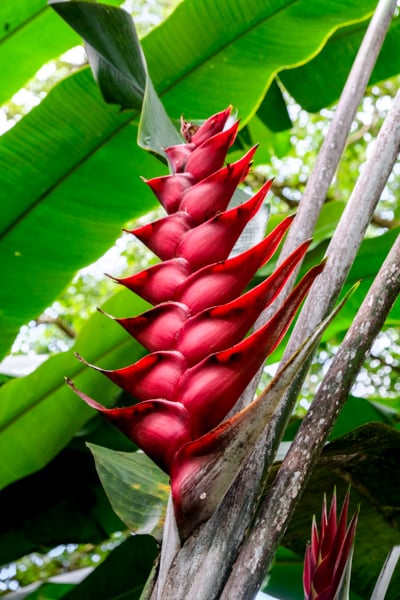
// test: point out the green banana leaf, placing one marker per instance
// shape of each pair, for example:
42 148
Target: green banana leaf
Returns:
30 35
39 414
313 91
67 504
72 163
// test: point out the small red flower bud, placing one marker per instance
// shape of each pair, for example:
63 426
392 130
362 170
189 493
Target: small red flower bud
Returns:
328 556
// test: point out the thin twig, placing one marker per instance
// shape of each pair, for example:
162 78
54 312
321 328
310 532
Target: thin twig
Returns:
58 322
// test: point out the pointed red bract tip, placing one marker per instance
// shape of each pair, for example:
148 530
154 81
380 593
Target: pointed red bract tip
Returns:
169 189
213 125
210 155
328 556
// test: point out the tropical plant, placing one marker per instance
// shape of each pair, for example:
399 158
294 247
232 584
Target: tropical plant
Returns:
199 365
89 180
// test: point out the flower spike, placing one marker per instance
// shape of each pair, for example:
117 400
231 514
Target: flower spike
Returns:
201 354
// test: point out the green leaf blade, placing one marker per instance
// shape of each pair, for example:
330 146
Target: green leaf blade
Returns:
137 489
47 414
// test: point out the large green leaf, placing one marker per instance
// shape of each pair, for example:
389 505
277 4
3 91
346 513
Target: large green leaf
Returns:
44 241
39 414
30 35
79 155
67 503
309 85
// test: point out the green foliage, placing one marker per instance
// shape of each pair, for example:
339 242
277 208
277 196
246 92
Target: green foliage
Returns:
48 414
71 183
92 151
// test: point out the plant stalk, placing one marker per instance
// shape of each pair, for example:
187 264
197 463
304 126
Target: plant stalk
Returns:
296 469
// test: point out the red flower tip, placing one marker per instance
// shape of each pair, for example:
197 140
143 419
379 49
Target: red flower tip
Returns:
198 134
328 556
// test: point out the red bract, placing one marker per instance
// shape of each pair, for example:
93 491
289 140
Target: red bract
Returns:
200 359
328 557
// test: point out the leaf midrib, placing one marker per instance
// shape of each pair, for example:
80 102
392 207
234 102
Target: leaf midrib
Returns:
23 24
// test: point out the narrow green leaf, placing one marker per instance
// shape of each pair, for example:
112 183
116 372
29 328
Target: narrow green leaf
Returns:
113 49
120 69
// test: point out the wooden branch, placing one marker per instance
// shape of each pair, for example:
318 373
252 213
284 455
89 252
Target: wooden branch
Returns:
62 325
259 548
376 219
331 151
350 231
307 446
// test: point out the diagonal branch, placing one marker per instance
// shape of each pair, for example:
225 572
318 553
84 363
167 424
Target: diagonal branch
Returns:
294 473
332 149
351 229
341 252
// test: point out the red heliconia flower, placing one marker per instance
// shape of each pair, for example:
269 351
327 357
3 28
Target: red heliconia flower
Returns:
200 359
328 556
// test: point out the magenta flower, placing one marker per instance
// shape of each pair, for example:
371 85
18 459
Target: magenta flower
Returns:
200 359
327 560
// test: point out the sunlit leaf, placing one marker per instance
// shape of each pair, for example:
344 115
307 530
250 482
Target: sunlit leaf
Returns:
137 489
